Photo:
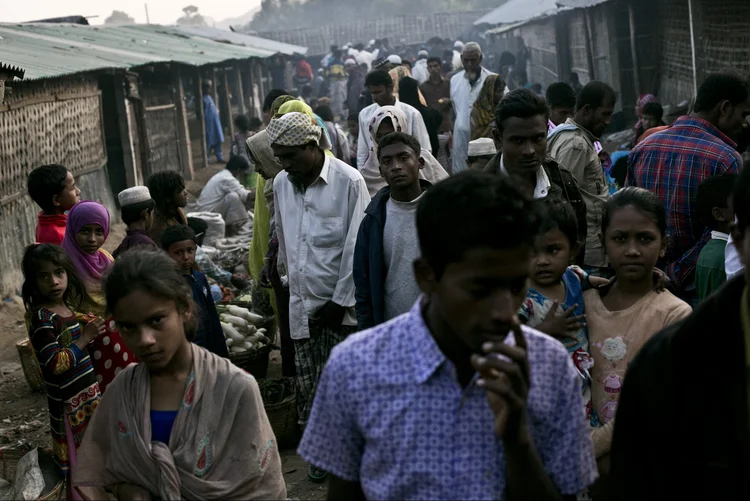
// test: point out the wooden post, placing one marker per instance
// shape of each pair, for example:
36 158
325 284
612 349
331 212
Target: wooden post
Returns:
240 88
126 138
589 44
200 115
634 51
227 111
183 129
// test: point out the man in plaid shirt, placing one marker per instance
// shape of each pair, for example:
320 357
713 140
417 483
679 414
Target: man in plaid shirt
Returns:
672 164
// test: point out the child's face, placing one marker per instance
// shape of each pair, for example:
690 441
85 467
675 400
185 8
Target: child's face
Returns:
90 238
183 253
649 122
634 244
153 328
70 194
550 259
51 281
181 198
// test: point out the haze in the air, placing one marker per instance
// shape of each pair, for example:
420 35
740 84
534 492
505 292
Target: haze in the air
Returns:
160 11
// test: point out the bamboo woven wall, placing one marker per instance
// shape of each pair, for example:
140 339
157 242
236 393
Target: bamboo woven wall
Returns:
47 121
722 41
160 120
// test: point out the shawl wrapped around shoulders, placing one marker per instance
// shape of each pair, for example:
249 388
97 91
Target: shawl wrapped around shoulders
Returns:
221 445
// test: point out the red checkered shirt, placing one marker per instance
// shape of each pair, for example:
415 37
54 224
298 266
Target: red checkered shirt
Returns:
672 164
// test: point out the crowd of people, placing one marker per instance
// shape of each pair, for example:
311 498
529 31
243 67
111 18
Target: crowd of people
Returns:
515 324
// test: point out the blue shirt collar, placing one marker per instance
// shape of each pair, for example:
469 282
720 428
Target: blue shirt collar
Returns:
427 355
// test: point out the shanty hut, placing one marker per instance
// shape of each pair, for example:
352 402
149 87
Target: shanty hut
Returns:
113 104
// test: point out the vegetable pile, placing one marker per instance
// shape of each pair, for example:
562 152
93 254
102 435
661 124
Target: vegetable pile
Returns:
240 329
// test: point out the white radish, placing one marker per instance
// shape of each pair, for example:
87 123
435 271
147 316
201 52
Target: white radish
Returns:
231 332
231 319
230 341
262 331
237 349
254 338
254 318
238 311
248 345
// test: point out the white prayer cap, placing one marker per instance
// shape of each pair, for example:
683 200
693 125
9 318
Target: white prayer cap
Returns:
394 59
481 147
371 42
423 53
133 195
458 45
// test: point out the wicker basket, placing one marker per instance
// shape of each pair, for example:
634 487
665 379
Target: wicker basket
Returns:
255 362
280 402
30 366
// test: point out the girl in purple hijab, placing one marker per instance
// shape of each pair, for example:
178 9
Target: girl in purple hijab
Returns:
86 232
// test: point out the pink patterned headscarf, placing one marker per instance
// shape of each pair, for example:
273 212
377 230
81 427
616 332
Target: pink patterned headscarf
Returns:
90 268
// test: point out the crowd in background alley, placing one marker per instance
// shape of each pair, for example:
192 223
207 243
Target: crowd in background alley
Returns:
476 299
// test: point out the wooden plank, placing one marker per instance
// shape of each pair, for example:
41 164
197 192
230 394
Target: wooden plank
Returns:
160 107
634 50
241 97
50 98
126 139
589 44
227 111
183 129
200 115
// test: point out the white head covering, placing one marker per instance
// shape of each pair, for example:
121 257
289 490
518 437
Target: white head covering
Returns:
481 147
423 53
458 45
394 59
133 195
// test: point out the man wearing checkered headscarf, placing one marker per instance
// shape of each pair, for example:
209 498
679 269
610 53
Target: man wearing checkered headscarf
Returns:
293 129
319 202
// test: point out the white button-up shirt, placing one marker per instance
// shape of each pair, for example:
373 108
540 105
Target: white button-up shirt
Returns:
416 126
317 232
542 180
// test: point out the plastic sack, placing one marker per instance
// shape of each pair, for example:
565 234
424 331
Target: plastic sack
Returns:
36 478
216 226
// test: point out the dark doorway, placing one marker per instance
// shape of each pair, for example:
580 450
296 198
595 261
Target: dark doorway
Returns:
112 134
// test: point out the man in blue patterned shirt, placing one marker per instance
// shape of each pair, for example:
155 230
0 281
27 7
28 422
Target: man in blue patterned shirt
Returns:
454 399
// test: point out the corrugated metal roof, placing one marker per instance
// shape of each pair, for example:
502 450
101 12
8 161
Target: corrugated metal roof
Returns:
235 38
515 11
507 27
49 50
577 4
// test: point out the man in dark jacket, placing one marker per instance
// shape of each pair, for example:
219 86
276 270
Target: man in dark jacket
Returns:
683 423
387 243
521 135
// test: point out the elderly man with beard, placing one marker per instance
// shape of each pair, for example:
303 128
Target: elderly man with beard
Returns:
319 203
465 87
